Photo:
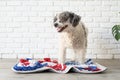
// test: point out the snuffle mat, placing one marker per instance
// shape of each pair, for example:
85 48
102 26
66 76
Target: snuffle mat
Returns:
29 65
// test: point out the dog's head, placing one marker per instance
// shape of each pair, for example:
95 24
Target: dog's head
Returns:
66 19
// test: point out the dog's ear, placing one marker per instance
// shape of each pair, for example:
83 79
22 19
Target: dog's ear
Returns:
75 19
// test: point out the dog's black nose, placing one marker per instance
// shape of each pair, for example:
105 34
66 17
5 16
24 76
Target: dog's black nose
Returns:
56 24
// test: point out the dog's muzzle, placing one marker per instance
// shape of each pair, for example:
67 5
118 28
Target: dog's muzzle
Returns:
60 29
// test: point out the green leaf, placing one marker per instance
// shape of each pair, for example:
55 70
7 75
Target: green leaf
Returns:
116 32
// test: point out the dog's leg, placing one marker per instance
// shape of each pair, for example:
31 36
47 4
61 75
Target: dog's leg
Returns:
73 57
62 54
80 55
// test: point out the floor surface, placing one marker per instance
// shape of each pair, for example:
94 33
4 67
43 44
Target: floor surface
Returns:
113 72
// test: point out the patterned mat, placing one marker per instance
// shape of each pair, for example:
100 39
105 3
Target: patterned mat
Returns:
29 65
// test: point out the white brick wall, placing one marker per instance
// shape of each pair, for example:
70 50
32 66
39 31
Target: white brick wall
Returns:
26 28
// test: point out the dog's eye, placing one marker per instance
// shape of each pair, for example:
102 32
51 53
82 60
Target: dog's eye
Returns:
60 21
64 19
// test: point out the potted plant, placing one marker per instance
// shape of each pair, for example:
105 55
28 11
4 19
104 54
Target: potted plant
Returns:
116 31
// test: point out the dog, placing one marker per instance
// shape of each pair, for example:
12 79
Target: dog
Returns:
73 34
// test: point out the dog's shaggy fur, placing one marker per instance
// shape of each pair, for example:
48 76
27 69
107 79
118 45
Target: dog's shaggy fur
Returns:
73 34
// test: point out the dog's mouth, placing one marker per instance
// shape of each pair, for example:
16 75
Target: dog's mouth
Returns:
60 29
